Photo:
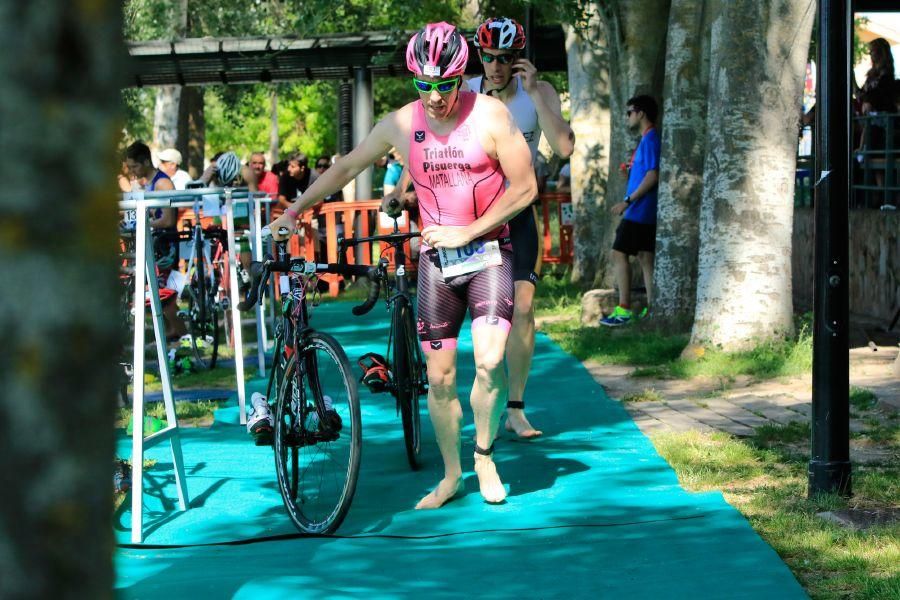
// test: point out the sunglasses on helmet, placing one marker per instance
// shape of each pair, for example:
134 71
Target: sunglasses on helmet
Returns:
444 86
503 59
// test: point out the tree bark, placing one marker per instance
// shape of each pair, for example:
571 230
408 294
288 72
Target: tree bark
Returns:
273 130
168 97
165 116
192 130
681 169
635 50
757 65
589 93
58 309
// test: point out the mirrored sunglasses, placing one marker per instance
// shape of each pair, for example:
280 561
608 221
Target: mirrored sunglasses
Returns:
503 59
443 87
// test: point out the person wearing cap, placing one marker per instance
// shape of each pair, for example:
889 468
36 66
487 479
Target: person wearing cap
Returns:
461 148
169 160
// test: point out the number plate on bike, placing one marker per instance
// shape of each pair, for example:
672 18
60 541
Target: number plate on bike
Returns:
472 257
129 218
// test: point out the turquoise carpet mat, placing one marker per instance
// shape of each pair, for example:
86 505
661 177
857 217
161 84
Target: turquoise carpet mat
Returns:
592 512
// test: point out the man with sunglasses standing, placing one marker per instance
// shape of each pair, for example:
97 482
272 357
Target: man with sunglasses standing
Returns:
535 107
636 234
462 149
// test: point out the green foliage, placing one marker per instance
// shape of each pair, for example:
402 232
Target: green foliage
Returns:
238 118
137 106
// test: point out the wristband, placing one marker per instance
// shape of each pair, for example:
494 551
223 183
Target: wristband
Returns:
294 214
627 200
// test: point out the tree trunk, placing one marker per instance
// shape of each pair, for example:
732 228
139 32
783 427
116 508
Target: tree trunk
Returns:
58 308
681 170
635 55
757 66
192 130
168 97
165 116
589 92
273 130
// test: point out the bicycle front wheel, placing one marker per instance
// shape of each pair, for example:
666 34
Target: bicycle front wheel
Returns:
318 435
407 379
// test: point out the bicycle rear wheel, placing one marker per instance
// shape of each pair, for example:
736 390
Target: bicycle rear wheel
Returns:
407 378
316 459
203 325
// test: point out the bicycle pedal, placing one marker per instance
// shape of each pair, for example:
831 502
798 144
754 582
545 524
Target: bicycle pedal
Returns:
263 436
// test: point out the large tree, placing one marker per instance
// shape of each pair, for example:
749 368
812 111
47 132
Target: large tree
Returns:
58 319
758 57
685 96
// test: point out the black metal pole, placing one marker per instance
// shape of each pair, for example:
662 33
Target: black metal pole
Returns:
829 465
529 32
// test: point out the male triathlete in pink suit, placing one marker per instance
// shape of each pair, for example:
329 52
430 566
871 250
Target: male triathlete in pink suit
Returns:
460 147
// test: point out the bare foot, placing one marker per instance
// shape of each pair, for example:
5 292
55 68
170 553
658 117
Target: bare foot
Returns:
517 422
442 494
489 483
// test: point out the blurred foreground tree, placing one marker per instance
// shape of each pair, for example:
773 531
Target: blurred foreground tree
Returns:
58 319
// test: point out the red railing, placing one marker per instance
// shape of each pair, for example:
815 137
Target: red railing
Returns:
559 204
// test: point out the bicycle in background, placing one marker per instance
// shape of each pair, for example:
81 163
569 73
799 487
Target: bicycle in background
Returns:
403 372
206 299
317 431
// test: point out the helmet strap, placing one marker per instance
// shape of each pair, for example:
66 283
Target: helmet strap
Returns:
497 91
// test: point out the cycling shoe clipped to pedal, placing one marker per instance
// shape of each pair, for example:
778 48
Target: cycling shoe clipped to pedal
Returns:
376 372
260 424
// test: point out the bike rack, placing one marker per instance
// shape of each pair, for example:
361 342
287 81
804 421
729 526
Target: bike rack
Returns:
145 274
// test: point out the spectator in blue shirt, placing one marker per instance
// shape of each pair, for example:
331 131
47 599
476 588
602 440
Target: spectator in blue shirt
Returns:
636 234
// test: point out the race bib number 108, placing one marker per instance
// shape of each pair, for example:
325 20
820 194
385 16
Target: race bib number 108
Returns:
472 257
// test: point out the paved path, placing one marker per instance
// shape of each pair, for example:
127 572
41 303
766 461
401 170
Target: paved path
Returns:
741 407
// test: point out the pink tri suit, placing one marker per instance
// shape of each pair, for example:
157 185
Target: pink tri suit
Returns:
456 183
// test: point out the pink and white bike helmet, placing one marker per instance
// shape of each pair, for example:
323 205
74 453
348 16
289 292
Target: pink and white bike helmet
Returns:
437 50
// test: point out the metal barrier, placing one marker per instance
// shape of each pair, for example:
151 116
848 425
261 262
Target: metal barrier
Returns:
876 165
138 203
879 161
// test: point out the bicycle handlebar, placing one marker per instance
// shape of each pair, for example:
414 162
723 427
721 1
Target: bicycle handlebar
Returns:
260 271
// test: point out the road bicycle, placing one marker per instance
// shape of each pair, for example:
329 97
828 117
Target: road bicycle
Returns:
205 296
403 374
317 435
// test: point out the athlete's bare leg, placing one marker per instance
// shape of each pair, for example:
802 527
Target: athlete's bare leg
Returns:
519 352
488 390
446 416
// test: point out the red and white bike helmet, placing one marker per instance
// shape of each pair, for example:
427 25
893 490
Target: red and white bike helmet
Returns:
437 50
500 34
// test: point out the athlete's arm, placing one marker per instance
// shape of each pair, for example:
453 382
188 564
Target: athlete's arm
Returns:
398 193
169 216
376 144
549 110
